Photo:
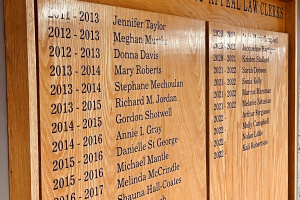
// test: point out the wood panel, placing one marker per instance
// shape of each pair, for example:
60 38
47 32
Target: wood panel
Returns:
248 111
22 99
251 14
24 171
291 30
122 103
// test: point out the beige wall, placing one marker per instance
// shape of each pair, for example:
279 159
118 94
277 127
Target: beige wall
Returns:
4 184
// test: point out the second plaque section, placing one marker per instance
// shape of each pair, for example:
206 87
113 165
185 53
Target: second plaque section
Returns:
248 112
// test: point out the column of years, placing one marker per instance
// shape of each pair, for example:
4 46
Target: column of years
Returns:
223 85
74 118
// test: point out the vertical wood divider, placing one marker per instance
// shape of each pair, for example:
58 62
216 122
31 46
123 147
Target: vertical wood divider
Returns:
22 99
207 105
292 85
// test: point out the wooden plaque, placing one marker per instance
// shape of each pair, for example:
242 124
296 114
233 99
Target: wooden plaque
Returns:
248 112
122 103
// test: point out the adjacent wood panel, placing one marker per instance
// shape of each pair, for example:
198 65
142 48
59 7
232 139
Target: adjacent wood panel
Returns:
248 111
122 103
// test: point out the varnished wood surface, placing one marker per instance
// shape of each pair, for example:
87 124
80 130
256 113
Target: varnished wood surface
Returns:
22 99
208 11
245 170
15 43
293 111
181 59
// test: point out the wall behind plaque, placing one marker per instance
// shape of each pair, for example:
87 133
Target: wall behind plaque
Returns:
4 185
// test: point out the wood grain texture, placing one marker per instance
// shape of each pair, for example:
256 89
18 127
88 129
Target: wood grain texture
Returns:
208 11
291 30
22 99
248 108
21 105
178 57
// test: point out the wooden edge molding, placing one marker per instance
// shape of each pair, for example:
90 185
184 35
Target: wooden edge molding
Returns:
22 99
291 30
